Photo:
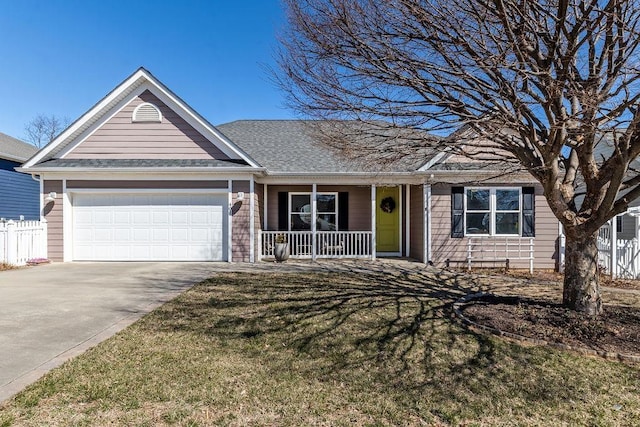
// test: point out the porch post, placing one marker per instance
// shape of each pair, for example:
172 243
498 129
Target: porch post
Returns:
229 221
252 222
373 221
427 223
314 208
614 247
407 231
265 190
636 257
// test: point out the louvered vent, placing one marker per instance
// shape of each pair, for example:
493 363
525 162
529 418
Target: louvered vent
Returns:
147 112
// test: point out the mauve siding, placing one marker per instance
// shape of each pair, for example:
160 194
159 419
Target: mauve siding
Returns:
416 223
241 230
120 138
444 247
19 195
359 203
53 215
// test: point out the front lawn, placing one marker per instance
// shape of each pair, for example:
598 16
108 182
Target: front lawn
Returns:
324 349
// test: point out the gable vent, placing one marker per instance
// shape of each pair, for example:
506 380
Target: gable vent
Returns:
147 112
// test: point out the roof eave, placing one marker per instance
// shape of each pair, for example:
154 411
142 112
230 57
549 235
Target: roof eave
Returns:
222 169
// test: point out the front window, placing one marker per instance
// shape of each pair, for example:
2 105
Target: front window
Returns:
492 211
326 211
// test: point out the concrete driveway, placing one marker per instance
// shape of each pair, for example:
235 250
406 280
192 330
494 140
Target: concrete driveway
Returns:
51 313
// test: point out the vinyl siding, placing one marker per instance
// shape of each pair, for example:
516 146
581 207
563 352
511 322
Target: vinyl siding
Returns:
359 203
241 230
53 215
444 247
416 223
120 138
19 195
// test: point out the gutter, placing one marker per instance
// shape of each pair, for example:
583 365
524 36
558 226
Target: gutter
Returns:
36 170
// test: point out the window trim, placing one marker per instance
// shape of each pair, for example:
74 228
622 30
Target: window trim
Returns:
318 212
493 211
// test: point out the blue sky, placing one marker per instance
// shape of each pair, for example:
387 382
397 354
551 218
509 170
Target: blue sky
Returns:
60 57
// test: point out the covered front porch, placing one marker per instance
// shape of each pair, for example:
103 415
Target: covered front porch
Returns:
351 221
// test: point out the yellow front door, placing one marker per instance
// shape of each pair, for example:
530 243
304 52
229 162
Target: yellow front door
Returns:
387 219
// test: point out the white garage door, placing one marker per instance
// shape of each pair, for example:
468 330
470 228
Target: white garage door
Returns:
149 227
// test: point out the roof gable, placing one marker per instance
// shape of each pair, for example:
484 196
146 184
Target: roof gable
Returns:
168 137
201 137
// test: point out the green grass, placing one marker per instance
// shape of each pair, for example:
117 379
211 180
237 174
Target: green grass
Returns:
324 349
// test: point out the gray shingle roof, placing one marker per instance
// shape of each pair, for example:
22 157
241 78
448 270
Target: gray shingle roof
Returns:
141 163
292 146
14 149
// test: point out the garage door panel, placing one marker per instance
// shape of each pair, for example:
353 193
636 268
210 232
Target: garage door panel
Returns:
160 218
103 235
140 235
121 217
100 217
160 235
140 217
141 252
167 227
179 218
160 252
122 234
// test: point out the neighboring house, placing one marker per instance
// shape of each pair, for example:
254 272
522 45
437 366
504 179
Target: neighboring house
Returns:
19 193
142 176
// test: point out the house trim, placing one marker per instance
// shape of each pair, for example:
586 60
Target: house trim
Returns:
67 223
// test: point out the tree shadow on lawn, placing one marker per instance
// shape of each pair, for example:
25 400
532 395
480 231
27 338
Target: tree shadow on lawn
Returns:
388 331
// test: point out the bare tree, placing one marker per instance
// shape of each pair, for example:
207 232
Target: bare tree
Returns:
42 129
552 84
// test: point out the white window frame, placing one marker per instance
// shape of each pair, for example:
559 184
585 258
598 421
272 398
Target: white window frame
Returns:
493 211
318 212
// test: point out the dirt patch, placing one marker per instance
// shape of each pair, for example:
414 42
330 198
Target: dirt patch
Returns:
616 330
4 266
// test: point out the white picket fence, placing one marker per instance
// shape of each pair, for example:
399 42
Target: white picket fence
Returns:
22 241
626 254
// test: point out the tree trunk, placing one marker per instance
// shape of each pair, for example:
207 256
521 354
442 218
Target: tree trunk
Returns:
581 288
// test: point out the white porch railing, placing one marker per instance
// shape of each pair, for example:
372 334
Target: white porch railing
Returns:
21 241
626 253
505 249
328 244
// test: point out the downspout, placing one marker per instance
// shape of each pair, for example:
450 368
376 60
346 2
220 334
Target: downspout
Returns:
39 181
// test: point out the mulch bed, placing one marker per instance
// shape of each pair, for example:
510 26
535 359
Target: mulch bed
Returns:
616 330
552 276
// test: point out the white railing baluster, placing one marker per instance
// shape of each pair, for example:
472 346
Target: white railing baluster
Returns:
330 244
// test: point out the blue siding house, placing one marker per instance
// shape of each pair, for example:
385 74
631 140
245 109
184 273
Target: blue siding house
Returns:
19 193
